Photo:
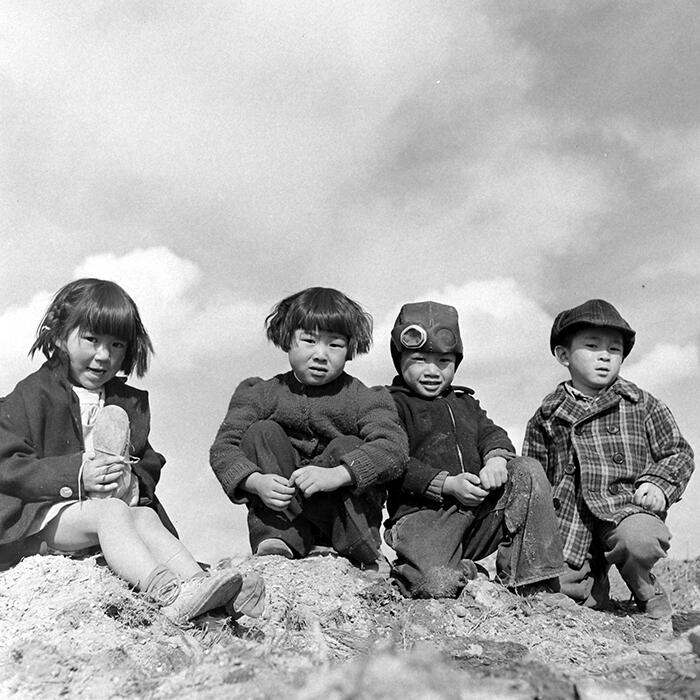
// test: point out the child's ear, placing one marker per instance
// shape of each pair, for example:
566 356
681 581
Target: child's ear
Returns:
562 355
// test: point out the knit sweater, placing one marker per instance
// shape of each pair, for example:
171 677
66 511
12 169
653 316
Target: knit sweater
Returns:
312 417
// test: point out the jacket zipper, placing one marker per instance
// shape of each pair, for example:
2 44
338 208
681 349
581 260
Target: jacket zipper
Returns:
454 428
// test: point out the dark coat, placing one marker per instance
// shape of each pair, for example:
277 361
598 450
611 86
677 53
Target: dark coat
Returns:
450 433
41 446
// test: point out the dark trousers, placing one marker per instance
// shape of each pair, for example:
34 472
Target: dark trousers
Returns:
634 546
347 521
517 520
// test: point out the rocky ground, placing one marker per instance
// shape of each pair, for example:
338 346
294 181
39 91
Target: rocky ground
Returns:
72 629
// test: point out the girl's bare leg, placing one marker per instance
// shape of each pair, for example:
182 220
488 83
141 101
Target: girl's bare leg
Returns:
109 523
163 545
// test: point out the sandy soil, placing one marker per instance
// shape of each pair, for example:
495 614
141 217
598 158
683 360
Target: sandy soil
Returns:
72 629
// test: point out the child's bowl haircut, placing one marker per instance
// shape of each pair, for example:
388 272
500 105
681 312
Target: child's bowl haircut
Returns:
320 309
99 306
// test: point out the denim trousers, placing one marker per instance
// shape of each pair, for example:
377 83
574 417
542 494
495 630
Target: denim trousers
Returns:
347 521
634 546
517 520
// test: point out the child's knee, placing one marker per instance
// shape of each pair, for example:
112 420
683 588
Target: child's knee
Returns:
642 537
264 429
143 515
526 468
110 509
337 448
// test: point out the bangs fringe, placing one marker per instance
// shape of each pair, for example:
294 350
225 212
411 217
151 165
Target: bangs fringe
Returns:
320 309
100 306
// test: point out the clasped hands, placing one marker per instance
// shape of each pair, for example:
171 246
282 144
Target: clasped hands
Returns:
276 491
470 489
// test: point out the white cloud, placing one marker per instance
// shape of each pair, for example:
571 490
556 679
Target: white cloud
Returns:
499 324
665 364
165 289
18 326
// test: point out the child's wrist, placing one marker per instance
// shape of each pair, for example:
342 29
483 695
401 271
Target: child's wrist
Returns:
249 484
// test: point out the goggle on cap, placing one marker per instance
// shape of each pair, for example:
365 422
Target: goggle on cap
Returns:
427 326
594 312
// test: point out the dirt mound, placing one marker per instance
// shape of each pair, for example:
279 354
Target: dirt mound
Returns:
72 629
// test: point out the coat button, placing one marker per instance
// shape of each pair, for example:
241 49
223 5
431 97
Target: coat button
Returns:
612 429
618 458
614 489
556 503
66 492
578 431
569 469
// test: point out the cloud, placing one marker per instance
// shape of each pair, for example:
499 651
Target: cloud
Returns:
499 323
165 288
18 326
664 365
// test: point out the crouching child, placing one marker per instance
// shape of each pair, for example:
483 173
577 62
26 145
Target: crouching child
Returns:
615 457
465 494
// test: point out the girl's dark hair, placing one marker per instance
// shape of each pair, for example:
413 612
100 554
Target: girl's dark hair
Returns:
99 306
320 309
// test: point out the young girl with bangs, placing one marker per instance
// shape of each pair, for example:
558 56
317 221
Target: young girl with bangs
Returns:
77 472
308 450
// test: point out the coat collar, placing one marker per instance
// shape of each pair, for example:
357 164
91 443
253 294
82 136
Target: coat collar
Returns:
399 386
560 402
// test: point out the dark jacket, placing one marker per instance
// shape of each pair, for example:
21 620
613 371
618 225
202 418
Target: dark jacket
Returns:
450 433
41 445
312 417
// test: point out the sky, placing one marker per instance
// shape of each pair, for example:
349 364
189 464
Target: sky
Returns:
511 159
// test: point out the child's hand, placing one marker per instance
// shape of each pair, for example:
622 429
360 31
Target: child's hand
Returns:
494 473
312 479
466 488
273 489
101 474
651 497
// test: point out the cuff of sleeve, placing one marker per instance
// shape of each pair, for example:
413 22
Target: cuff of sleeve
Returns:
670 490
231 480
499 452
362 470
434 490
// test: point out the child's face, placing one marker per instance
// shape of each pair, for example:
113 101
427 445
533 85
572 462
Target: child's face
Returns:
593 358
94 358
428 374
317 357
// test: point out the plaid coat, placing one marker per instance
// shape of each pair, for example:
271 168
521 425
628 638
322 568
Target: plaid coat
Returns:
597 453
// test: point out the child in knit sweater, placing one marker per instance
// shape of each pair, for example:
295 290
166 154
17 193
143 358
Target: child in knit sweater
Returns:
308 450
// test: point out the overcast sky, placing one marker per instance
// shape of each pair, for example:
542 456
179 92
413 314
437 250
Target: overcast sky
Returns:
512 159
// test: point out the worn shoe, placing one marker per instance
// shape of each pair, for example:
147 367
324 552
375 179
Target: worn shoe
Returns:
250 599
658 607
112 436
201 594
273 545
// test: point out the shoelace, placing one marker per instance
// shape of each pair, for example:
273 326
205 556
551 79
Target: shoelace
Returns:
162 586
